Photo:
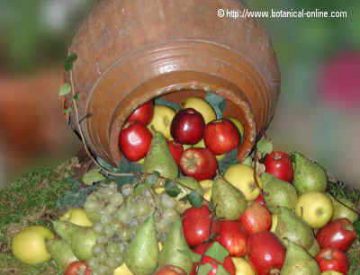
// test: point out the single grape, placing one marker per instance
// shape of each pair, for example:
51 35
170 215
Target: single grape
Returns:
167 201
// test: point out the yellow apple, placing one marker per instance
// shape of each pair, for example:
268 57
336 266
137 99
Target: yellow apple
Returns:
238 125
207 186
122 270
243 267
315 208
29 245
200 105
162 119
242 177
77 216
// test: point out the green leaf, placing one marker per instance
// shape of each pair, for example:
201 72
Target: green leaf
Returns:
217 252
65 89
172 105
221 271
217 102
229 159
357 227
264 146
76 96
204 269
248 161
69 61
68 111
92 177
195 198
171 188
195 257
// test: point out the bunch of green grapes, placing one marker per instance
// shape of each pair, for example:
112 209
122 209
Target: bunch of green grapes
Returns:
117 216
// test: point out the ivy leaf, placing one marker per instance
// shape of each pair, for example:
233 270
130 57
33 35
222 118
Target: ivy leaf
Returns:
65 89
172 189
229 159
195 199
69 61
217 252
217 102
204 269
92 177
264 146
221 271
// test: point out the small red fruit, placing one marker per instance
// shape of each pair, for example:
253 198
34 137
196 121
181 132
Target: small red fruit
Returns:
187 126
198 163
265 252
332 259
227 264
176 150
78 267
196 224
260 200
143 114
232 236
134 141
170 270
338 234
279 165
221 136
256 218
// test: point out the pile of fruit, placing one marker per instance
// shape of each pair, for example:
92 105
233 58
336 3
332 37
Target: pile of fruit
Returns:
192 208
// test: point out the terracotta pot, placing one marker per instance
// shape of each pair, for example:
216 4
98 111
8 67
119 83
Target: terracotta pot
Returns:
130 51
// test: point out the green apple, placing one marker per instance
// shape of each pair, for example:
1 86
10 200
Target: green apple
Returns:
342 209
77 216
315 208
242 177
202 106
161 121
29 245
243 267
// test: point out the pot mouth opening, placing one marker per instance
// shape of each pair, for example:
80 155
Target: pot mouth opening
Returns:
173 95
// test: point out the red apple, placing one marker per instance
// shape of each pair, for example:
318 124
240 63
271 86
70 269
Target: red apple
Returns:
134 141
265 252
201 250
221 136
143 114
338 234
279 165
196 224
256 218
232 236
260 200
187 126
170 270
332 259
176 150
78 267
198 163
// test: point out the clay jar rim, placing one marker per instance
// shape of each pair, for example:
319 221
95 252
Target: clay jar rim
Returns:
120 116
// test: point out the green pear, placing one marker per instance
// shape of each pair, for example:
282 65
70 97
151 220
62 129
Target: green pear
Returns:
298 262
308 175
175 249
314 248
291 227
278 193
229 202
61 253
143 251
159 158
190 183
342 209
81 239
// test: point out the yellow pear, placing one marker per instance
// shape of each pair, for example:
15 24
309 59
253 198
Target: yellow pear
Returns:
243 267
77 216
315 208
202 106
29 245
122 270
161 121
242 177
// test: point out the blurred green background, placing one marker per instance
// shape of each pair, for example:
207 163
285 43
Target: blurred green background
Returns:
318 112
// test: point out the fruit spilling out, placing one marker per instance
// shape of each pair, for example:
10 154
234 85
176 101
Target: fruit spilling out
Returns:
193 208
